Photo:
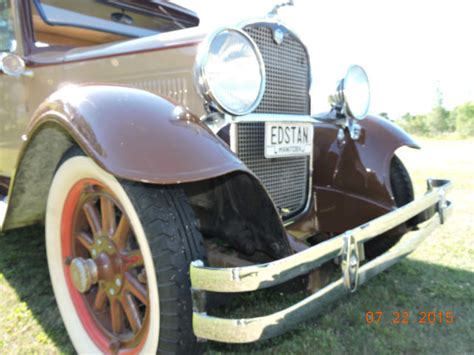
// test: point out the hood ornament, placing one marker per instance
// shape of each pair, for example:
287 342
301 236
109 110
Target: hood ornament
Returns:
277 8
278 33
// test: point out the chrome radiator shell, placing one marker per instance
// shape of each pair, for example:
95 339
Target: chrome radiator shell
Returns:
287 70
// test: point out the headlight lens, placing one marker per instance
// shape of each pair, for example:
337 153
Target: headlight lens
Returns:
357 92
230 72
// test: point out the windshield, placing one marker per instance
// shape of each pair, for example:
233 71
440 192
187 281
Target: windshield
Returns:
137 18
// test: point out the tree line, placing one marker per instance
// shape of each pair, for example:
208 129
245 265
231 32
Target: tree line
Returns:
440 121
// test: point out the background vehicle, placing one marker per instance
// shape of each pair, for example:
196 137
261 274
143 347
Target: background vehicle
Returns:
149 145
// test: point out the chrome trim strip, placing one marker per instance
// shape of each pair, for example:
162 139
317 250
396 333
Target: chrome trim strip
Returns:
273 117
250 278
217 121
233 137
259 328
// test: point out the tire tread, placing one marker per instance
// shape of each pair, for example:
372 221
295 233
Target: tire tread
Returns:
174 239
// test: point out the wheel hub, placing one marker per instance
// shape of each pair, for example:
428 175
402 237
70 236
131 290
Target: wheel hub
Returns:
84 274
104 268
109 265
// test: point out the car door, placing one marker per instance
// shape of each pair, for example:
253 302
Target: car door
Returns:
13 110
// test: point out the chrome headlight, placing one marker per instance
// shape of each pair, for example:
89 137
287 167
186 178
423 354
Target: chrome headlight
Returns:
353 94
230 73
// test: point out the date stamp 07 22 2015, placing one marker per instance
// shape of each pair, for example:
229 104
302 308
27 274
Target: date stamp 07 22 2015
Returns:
406 317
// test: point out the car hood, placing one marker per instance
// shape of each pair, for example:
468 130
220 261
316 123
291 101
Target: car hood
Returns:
160 41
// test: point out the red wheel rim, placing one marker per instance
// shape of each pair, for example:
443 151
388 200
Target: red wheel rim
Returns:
115 310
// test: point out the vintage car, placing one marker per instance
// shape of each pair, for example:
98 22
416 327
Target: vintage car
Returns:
171 163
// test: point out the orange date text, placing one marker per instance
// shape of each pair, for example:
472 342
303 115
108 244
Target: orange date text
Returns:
406 317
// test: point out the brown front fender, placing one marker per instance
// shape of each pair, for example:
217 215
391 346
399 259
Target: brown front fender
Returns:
351 179
138 135
132 134
363 165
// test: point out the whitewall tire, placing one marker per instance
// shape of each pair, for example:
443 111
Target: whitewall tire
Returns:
106 276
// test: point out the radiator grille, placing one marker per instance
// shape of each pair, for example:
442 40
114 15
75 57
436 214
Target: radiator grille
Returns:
287 73
286 92
286 179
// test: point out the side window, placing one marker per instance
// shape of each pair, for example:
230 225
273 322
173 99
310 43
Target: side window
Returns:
7 37
67 23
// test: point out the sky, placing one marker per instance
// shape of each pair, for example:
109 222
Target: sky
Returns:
408 47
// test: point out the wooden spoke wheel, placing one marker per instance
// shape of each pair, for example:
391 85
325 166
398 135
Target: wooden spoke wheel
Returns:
106 274
110 244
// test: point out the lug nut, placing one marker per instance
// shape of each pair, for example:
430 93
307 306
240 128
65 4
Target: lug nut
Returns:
114 345
142 276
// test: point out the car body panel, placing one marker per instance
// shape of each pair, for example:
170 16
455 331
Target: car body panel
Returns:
351 176
131 133
171 78
163 65
348 175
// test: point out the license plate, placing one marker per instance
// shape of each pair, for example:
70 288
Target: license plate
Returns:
288 139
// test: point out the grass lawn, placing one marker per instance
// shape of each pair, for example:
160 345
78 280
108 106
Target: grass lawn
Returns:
437 277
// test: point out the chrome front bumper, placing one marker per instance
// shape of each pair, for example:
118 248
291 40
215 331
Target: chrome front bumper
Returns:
347 246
